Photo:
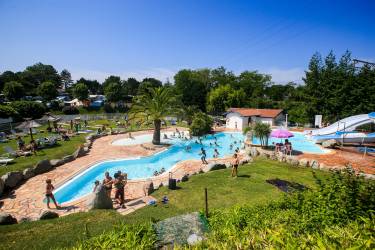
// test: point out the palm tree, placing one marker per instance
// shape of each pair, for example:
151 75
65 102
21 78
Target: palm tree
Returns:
153 106
262 131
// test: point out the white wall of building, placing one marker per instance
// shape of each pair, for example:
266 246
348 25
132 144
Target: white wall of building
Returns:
267 120
236 121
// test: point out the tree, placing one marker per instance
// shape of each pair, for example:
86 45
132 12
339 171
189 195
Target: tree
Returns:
113 92
224 97
187 113
131 86
8 76
201 124
29 109
111 79
80 91
7 111
47 90
262 131
38 73
192 88
66 78
13 90
148 83
94 86
153 106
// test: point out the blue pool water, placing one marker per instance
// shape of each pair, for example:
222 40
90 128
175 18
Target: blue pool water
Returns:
144 167
299 142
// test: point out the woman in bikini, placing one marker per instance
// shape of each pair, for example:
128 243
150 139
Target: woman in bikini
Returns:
49 194
107 183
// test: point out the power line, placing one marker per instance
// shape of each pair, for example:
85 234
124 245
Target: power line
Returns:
355 61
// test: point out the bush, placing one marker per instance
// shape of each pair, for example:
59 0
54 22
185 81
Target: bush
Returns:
70 110
338 215
108 108
29 109
140 236
13 90
201 124
7 111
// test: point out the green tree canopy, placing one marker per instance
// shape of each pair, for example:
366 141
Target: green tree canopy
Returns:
201 124
113 91
13 90
47 90
224 97
66 78
80 91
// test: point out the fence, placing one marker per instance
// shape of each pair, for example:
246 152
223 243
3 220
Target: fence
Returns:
93 117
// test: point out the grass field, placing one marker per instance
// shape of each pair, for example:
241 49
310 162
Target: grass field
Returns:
223 191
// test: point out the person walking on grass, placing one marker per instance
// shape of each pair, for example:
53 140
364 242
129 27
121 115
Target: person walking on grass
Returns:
235 163
49 194
203 156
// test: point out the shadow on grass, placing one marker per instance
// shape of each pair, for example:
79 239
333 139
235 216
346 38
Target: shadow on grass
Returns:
243 176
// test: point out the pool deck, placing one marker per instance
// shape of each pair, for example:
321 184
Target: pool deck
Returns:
27 199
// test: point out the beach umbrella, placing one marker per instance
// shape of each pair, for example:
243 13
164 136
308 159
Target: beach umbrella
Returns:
29 124
281 133
49 118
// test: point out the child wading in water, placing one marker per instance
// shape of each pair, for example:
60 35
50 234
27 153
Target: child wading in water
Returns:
49 194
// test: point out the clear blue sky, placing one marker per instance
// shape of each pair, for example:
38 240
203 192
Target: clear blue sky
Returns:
157 38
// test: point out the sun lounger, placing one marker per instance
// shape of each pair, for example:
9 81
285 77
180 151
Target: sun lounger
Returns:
17 153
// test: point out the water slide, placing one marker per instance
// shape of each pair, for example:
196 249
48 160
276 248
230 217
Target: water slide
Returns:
348 124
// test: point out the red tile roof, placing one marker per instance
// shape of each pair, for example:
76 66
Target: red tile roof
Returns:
270 113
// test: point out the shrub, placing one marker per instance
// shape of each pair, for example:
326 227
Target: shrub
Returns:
108 108
7 111
70 110
140 236
201 124
29 109
338 215
13 90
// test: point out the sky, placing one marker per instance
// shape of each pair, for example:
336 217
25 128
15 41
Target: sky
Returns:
156 38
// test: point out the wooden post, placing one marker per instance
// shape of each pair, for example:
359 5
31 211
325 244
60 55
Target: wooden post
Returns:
206 201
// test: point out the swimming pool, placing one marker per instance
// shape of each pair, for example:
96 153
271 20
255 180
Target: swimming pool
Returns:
144 167
299 142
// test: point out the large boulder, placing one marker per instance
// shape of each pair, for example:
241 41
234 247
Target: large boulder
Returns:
1 186
12 179
42 167
56 162
99 199
7 219
48 214
68 158
314 164
28 173
304 162
292 160
253 151
329 143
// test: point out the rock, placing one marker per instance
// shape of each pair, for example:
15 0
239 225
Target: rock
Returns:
42 167
314 164
99 199
292 160
7 219
48 214
68 158
1 186
253 151
194 239
149 188
76 153
304 162
56 162
89 137
213 166
28 173
86 150
329 143
12 179
185 178
323 166
24 219
87 144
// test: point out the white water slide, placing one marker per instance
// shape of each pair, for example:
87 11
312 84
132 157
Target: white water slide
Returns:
348 124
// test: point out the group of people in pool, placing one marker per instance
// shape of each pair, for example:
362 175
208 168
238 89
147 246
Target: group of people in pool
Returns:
119 182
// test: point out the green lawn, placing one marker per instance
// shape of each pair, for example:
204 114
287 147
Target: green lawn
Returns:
249 188
62 149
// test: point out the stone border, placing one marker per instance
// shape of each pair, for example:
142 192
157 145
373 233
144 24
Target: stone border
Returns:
296 162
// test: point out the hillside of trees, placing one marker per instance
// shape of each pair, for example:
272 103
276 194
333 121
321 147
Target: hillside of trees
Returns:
333 88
